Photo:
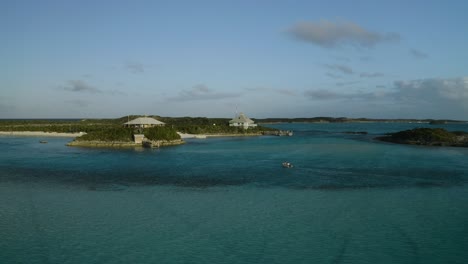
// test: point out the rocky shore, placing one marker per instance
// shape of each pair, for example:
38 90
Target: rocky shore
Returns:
161 143
428 137
102 144
121 144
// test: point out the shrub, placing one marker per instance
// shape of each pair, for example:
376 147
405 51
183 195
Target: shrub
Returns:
109 134
161 133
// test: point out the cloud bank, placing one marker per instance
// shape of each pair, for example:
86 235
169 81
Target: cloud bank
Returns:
431 97
431 90
328 34
434 90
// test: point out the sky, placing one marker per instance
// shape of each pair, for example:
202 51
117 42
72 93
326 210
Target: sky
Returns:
107 59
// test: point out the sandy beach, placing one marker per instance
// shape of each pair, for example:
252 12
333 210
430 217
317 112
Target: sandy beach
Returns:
40 134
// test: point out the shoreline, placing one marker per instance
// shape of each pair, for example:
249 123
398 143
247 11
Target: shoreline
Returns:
124 144
40 134
203 136
74 135
234 135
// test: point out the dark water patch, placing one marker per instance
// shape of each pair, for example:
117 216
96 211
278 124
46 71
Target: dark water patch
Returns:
351 178
112 187
320 179
112 181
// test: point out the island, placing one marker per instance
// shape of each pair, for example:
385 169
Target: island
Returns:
158 131
428 137
134 131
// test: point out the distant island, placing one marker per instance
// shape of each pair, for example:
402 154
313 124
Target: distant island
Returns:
163 131
428 137
355 120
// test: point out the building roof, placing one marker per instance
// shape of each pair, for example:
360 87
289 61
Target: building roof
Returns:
241 118
144 121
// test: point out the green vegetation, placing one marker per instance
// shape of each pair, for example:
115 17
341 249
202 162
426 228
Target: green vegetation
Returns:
58 125
111 133
219 129
161 133
428 136
120 134
350 120
191 125
204 125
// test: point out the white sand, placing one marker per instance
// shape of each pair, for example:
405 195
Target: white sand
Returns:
40 134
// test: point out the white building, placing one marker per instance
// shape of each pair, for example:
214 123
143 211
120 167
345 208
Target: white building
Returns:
144 122
242 121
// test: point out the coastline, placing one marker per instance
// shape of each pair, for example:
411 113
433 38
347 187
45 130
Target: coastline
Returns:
234 135
202 136
117 144
40 134
122 144
102 144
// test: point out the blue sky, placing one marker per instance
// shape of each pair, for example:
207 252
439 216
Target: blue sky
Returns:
92 59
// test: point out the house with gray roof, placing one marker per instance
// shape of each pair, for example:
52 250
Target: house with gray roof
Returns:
242 121
144 122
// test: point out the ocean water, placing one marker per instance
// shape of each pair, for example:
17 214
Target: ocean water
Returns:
348 199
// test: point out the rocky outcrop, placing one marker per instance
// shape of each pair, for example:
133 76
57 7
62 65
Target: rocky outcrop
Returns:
102 144
162 143
121 144
428 137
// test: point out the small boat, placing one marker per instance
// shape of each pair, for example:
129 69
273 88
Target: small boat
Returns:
287 165
43 142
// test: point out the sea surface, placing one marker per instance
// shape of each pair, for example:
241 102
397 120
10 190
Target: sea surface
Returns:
348 199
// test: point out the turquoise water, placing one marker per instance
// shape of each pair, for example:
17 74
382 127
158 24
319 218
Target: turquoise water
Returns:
349 199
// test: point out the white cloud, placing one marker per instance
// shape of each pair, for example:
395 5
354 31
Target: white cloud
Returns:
330 34
451 89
